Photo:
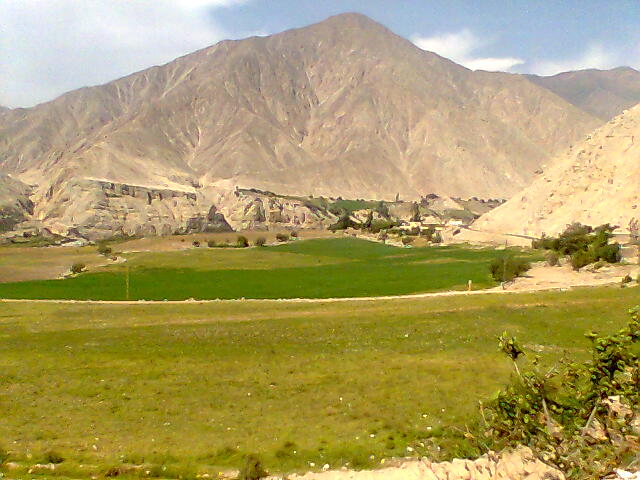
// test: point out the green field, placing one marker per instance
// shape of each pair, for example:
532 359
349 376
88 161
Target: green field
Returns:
304 269
190 388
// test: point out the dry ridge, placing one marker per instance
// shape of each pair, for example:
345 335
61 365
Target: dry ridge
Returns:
595 182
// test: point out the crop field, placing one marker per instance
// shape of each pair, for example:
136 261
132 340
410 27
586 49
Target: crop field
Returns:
318 268
189 389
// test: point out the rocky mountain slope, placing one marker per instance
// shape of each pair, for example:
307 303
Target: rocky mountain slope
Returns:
595 182
341 108
602 93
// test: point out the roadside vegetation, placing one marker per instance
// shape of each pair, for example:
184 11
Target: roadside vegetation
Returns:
183 390
582 244
581 416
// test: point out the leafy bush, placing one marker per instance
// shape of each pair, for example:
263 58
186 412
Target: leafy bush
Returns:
261 242
407 240
565 413
583 244
104 249
4 455
581 258
436 238
553 258
196 244
294 234
242 241
211 243
626 279
78 267
282 237
377 225
252 469
53 457
508 267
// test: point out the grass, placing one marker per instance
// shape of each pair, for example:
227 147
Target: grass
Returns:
321 268
194 387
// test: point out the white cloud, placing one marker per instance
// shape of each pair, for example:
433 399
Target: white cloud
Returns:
461 47
595 56
51 46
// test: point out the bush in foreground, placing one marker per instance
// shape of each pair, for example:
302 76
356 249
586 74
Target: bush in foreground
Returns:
578 416
282 237
508 267
261 242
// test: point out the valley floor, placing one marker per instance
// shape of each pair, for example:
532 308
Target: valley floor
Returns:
191 387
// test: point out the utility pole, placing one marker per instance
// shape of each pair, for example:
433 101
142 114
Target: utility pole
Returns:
126 282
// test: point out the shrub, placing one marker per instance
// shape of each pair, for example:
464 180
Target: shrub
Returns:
242 242
559 412
407 240
252 469
261 242
78 267
508 267
282 237
196 243
581 258
294 234
4 455
211 243
626 279
436 238
53 457
553 258
104 249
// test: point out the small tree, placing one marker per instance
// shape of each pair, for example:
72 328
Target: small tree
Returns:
261 242
242 241
508 267
282 237
407 240
77 267
211 243
104 249
196 243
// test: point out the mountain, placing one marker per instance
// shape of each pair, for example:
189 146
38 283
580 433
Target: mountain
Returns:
340 108
602 93
595 182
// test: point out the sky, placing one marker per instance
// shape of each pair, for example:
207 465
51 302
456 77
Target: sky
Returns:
48 47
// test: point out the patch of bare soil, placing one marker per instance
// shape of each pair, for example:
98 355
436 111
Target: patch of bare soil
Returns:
543 277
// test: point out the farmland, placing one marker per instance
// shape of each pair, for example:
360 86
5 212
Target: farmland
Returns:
318 268
191 388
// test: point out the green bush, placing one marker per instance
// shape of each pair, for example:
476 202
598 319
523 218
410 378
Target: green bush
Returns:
508 267
196 243
294 234
53 457
581 259
261 242
4 455
552 410
78 267
282 237
252 469
104 249
553 258
407 240
211 243
242 241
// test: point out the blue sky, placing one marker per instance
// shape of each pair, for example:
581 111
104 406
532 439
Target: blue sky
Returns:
52 46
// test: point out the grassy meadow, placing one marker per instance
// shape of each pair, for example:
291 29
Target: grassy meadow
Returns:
317 268
189 389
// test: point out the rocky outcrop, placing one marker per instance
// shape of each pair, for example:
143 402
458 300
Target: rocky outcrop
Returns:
15 204
520 464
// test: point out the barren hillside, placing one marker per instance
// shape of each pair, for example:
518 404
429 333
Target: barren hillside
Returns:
595 182
343 108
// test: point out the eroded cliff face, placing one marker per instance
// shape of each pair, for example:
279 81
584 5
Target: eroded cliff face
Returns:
15 204
96 209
